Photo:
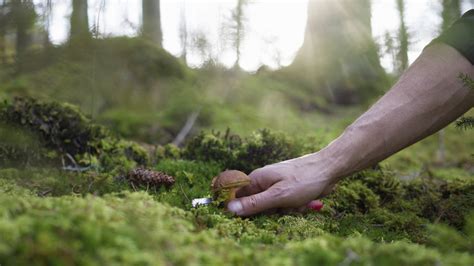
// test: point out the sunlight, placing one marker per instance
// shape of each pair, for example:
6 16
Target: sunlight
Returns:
274 30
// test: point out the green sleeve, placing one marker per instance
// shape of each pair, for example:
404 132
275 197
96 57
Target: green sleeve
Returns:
461 35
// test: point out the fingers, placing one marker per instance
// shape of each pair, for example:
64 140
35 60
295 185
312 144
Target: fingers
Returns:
253 204
315 205
260 180
312 206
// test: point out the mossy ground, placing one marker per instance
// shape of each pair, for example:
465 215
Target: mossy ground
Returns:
93 217
410 210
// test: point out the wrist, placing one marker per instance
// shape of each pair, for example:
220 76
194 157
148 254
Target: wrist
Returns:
341 157
317 164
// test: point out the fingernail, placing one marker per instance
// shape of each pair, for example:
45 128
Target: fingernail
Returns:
235 207
316 205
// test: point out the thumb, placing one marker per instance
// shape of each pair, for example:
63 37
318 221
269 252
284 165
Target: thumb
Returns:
253 204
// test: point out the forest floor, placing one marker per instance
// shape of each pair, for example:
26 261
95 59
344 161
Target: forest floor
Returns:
67 195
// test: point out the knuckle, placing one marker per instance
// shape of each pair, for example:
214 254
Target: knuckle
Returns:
257 173
258 183
252 202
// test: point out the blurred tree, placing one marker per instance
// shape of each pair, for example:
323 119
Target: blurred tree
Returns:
3 31
338 53
151 21
201 45
402 55
183 32
238 28
79 20
451 10
22 16
48 8
390 49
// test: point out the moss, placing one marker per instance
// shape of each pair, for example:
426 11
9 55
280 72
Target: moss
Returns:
168 151
371 218
63 129
353 197
232 152
265 147
383 183
118 155
61 126
193 180
54 182
132 228
20 148
440 200
214 146
448 239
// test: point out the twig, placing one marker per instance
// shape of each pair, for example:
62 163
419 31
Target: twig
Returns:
76 169
44 193
182 190
69 156
186 128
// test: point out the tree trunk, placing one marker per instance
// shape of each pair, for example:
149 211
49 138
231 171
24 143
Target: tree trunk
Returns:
338 52
47 22
151 21
3 33
183 33
79 20
402 55
451 11
23 17
238 16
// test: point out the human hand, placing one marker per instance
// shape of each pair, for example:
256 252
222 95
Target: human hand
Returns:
290 184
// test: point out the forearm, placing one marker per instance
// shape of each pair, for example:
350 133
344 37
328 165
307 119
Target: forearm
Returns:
425 99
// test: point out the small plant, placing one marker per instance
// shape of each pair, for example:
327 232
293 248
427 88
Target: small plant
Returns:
466 122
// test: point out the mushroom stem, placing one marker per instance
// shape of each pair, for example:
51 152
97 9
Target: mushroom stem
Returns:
231 195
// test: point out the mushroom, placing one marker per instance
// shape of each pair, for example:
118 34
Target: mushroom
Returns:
227 183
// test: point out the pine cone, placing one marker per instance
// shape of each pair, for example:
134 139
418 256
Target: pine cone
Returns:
149 178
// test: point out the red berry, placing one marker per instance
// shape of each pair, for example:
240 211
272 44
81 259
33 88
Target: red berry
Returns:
316 205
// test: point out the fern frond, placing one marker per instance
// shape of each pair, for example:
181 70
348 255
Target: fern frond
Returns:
465 123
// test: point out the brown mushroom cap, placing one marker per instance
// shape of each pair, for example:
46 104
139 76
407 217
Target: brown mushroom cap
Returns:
230 179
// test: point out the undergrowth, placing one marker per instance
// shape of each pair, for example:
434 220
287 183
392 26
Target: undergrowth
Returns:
62 213
63 135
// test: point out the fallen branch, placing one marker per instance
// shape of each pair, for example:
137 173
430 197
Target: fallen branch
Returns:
186 128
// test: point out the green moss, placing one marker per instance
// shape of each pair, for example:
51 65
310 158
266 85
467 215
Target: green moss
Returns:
63 129
232 152
53 182
20 148
168 151
353 197
61 126
132 228
383 183
448 239
439 200
372 217
193 180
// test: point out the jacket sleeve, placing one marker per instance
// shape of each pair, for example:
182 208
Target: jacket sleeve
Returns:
461 36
